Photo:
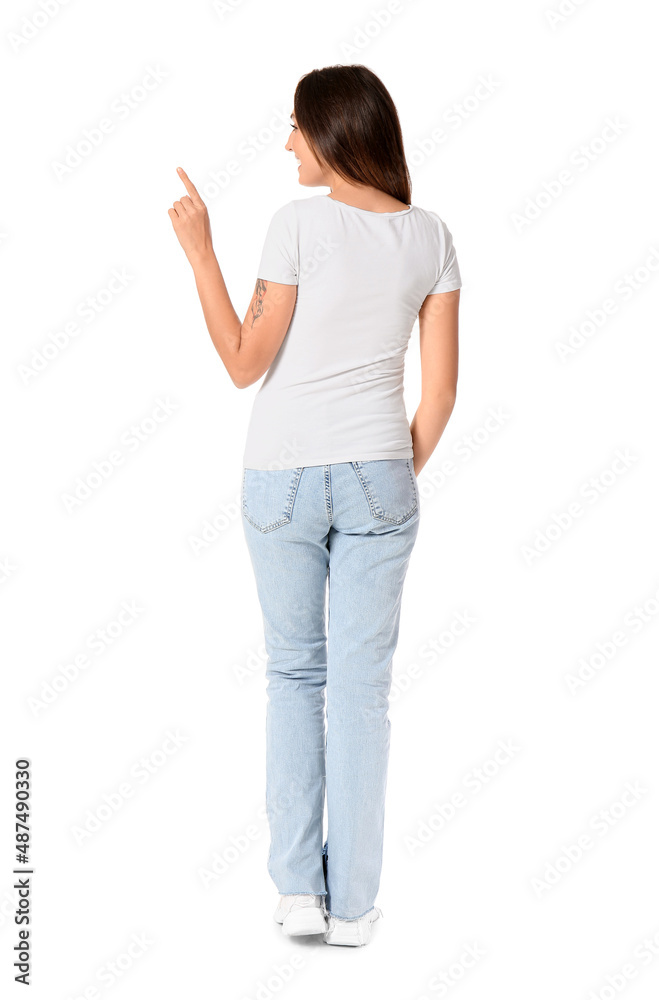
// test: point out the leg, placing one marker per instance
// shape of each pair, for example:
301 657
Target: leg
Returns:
286 532
375 524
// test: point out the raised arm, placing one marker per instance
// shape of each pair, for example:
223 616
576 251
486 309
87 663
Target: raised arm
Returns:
247 349
438 335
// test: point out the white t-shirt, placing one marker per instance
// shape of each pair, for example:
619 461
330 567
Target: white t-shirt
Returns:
334 392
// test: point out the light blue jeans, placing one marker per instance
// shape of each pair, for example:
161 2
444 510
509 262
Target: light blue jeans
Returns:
330 547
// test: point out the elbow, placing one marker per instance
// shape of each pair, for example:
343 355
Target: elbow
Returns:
238 374
241 373
242 379
443 398
243 376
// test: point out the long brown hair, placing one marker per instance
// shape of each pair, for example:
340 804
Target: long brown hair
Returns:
350 123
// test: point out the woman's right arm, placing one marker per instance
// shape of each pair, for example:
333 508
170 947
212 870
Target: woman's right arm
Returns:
438 334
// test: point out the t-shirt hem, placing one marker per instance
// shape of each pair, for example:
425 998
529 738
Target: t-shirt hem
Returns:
450 286
368 456
268 276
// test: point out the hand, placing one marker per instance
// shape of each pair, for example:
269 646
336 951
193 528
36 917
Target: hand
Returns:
191 223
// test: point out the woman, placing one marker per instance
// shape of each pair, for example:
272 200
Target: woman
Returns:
330 500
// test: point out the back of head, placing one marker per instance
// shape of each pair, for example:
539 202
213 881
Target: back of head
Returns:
350 123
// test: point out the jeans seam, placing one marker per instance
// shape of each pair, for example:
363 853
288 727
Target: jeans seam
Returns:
288 511
383 517
328 493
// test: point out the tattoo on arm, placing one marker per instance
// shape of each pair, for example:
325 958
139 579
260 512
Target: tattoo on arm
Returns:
257 301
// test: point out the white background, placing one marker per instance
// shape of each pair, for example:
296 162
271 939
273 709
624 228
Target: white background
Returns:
191 659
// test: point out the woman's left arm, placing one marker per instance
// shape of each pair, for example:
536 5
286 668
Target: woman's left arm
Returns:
246 357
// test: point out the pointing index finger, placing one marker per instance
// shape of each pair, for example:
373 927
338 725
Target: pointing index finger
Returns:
191 189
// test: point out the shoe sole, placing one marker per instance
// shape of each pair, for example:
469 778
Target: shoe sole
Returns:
349 944
307 921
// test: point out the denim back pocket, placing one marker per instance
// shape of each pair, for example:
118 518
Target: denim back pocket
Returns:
390 487
268 496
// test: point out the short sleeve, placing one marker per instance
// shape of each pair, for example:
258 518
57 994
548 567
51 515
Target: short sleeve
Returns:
280 255
448 272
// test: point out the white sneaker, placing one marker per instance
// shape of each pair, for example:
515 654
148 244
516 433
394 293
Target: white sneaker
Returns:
351 932
301 913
